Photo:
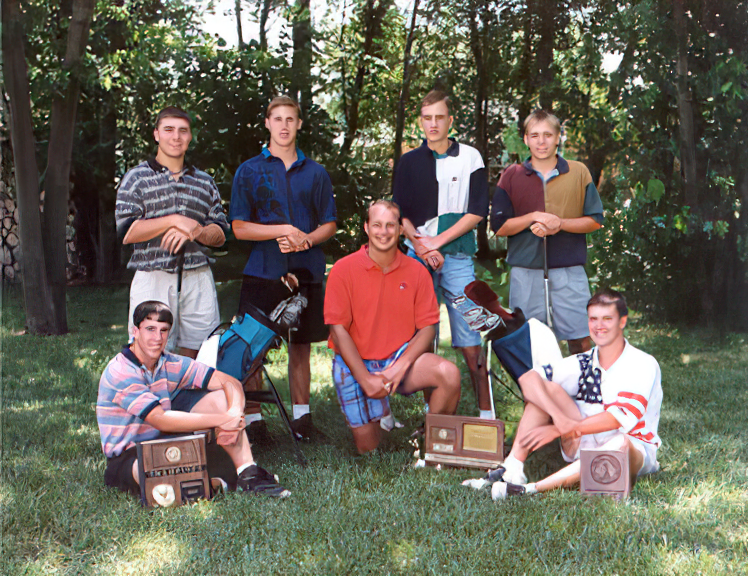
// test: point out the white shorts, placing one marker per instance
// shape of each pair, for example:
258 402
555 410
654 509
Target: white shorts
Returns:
195 317
612 440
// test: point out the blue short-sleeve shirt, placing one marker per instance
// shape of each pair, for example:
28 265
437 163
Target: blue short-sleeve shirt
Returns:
264 192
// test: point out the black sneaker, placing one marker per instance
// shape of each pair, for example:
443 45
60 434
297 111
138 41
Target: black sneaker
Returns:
258 433
502 490
256 480
305 430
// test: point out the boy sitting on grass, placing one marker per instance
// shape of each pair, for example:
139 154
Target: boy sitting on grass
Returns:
145 393
604 398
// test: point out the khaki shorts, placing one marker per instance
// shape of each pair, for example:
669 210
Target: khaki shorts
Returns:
195 317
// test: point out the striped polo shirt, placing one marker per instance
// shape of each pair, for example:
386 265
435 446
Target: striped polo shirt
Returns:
149 191
569 193
128 392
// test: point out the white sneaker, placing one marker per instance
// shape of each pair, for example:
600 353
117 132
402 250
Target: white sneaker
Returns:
476 483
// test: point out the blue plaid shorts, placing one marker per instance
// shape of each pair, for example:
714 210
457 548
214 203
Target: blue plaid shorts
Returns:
356 406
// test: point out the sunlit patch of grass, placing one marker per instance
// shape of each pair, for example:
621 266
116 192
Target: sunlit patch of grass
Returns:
373 514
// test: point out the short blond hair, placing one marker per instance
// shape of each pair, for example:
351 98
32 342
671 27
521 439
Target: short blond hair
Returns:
283 101
542 116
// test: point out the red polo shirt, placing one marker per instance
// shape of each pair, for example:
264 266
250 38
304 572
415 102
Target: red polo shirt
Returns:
380 311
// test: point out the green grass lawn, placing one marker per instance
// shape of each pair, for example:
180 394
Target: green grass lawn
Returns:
362 515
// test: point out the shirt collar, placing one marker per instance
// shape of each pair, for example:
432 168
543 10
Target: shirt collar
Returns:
453 150
300 157
561 165
369 263
596 360
130 356
157 167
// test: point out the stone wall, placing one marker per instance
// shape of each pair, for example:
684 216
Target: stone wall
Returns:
10 246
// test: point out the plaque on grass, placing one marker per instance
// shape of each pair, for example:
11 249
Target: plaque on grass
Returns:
173 471
463 441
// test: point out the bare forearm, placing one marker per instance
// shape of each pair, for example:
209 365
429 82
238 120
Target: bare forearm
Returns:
322 233
409 230
347 349
422 341
259 232
583 225
211 235
149 228
462 226
516 225
602 422
177 421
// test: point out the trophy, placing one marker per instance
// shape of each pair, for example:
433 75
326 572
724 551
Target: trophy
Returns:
605 472
463 441
173 471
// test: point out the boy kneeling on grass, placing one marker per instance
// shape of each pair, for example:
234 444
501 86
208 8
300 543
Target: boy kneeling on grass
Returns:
145 393
381 309
605 398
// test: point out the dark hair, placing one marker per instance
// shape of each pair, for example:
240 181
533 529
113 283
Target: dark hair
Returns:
389 204
146 309
607 296
173 112
283 101
437 96
542 116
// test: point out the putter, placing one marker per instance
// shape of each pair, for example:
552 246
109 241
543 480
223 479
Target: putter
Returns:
180 270
546 281
546 286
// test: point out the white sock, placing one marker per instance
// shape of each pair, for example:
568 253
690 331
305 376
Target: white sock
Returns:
515 470
530 488
425 408
299 410
249 418
486 414
513 465
243 467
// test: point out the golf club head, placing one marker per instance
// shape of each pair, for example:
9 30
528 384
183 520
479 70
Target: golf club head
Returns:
483 295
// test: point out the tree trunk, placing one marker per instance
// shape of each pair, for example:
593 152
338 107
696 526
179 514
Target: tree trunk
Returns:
238 14
372 28
685 109
35 288
264 15
59 158
301 67
404 90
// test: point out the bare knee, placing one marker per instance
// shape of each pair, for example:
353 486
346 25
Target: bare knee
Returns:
447 374
366 437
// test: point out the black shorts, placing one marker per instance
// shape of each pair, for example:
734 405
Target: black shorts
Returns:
118 473
267 294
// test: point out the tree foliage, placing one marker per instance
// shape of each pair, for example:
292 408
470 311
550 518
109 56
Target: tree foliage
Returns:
663 134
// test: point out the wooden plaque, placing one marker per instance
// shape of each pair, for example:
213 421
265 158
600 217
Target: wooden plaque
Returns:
173 471
605 472
463 441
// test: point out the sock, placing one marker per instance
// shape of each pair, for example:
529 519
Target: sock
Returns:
515 470
243 467
425 408
530 488
249 418
486 414
513 465
299 410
